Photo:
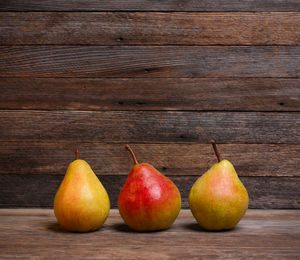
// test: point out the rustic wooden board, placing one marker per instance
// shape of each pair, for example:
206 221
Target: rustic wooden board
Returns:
243 94
39 190
123 28
154 5
170 159
149 61
245 97
260 234
149 127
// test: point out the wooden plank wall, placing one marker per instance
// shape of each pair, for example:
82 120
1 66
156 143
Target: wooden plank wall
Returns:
164 76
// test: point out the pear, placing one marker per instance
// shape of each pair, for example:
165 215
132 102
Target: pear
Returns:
149 200
81 203
218 199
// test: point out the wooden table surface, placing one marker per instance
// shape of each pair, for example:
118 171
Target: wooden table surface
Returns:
35 234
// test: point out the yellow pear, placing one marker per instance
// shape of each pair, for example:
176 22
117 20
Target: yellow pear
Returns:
218 199
81 203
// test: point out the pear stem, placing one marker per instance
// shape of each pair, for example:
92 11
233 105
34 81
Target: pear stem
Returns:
132 153
213 142
76 154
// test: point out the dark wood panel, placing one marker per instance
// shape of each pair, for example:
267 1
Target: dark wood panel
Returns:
149 127
39 190
154 5
170 159
119 28
243 94
261 234
149 61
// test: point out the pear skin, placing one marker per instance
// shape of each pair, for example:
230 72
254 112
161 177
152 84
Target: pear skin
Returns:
149 200
218 199
81 203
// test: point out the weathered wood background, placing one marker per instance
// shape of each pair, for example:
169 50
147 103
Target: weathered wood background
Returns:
164 76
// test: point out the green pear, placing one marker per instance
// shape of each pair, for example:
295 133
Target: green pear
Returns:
218 199
81 203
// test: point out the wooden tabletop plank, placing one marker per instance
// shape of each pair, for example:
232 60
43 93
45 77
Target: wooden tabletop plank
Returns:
171 159
123 28
261 233
149 127
270 214
242 94
19 190
154 5
150 61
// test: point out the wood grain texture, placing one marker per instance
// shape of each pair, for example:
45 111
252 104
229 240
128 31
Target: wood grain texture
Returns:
243 94
139 28
149 127
39 190
98 74
260 234
171 159
154 5
149 61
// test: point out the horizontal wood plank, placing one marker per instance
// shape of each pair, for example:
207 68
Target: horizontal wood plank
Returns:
260 234
170 159
243 94
149 61
154 5
119 28
257 214
149 127
39 190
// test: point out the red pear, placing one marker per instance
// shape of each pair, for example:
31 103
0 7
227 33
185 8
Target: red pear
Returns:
149 200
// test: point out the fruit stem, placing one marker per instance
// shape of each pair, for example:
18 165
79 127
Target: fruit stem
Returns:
76 154
132 153
213 142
